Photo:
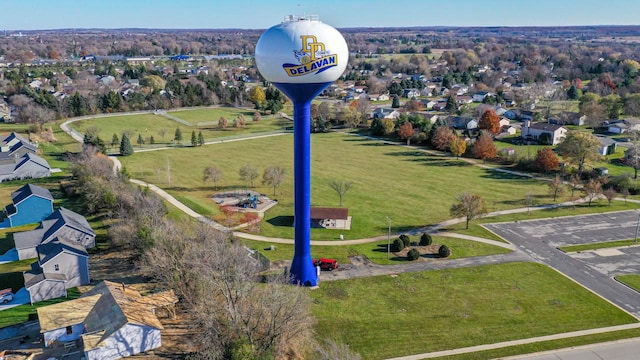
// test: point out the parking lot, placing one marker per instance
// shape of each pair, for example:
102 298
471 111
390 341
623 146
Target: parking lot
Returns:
595 269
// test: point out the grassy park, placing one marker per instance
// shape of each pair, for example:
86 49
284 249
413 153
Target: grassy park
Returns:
455 308
412 188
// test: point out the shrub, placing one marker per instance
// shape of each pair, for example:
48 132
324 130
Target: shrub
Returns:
425 240
398 245
444 251
413 254
405 239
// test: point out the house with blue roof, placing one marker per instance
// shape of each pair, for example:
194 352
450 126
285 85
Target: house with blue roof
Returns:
30 204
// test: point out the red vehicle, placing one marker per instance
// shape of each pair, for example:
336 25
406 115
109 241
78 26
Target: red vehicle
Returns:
326 264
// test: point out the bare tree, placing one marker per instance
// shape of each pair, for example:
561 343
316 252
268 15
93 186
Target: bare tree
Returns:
610 193
274 176
556 187
341 187
249 174
469 205
592 189
574 183
333 350
212 173
162 133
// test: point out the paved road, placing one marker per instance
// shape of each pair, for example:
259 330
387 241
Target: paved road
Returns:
616 350
540 239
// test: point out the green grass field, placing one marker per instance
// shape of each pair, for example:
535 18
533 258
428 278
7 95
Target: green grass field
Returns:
631 280
412 188
447 309
22 313
375 251
148 125
196 116
596 246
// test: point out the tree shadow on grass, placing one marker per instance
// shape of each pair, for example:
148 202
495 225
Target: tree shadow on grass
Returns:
493 174
282 220
430 161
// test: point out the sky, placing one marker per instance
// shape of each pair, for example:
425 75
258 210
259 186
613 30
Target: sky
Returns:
262 14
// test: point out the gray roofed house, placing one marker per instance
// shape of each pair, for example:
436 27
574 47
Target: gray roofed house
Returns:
62 264
61 223
15 144
29 166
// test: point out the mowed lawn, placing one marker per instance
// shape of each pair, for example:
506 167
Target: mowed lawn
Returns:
410 187
412 313
212 114
149 125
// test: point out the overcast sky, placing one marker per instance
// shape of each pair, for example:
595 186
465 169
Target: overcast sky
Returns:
261 14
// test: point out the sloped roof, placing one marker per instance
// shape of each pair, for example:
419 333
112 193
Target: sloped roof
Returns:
28 190
29 157
36 276
31 238
66 313
545 127
48 251
120 305
329 213
62 217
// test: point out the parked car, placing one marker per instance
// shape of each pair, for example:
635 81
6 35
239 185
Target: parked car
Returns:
5 296
326 264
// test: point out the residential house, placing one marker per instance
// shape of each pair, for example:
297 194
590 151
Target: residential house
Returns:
330 218
29 166
411 93
113 321
508 130
429 104
539 131
379 97
459 89
461 100
30 204
462 122
440 105
61 223
62 264
480 96
386 113
607 146
504 122
15 146
623 126
568 118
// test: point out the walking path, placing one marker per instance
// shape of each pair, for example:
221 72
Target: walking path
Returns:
374 269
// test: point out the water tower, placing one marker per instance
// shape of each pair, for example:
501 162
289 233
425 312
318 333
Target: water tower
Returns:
301 57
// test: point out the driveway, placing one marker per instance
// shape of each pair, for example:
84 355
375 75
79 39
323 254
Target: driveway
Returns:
594 269
21 297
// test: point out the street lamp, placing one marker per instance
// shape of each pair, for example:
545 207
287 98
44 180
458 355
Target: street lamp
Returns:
389 238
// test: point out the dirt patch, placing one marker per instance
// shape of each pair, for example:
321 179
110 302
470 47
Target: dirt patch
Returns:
114 265
426 252
360 260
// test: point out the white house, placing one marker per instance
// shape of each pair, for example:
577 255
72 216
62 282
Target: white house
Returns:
555 133
480 96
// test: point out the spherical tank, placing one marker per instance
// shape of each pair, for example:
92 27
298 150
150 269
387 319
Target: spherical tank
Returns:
301 50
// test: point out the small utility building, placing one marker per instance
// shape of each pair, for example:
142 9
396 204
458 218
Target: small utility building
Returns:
330 218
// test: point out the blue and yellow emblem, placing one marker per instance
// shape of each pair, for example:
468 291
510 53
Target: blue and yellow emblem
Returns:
313 58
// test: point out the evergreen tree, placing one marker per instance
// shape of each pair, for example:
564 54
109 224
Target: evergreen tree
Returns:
178 135
396 102
200 138
152 140
126 148
452 105
194 139
115 140
140 140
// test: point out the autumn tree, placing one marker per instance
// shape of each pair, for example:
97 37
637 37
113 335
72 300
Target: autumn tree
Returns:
273 176
546 160
248 173
457 146
579 148
212 173
389 125
341 187
556 187
256 117
484 148
609 193
442 138
257 96
469 206
406 131
490 121
592 189
222 122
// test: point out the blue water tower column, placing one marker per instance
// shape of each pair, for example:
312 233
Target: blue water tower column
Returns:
301 57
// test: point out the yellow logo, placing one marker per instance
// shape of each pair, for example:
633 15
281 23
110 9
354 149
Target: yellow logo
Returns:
313 58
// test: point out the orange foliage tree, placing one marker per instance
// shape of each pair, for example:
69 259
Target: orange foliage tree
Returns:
546 160
490 121
484 148
442 138
406 131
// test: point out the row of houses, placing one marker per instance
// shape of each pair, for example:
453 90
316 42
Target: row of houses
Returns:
18 160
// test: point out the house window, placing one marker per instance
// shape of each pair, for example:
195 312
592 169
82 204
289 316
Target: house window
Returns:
56 267
69 330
